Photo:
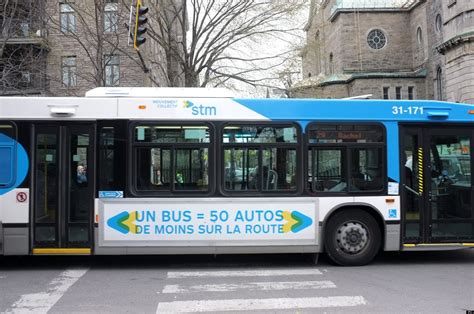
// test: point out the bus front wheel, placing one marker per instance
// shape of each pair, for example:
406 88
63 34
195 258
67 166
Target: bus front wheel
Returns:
352 238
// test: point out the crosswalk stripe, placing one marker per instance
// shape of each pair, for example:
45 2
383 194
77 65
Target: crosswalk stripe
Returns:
244 273
252 286
258 304
42 302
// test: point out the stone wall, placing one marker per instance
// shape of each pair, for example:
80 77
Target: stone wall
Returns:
413 56
418 34
318 44
459 55
460 73
458 18
435 38
392 57
375 87
334 91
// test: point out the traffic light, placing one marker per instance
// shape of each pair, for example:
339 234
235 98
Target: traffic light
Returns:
140 25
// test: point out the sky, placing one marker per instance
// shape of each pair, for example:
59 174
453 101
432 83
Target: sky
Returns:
275 45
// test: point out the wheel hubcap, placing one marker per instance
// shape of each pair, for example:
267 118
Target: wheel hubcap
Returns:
352 237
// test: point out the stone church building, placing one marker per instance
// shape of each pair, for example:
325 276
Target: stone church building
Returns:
392 49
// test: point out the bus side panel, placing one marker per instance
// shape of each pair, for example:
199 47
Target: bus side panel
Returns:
181 250
211 225
15 194
390 210
14 217
386 208
16 241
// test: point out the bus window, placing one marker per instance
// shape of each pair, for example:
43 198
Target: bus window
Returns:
111 173
172 158
239 172
335 148
450 183
366 166
7 155
171 134
326 170
345 133
260 158
191 169
106 158
154 169
259 134
279 169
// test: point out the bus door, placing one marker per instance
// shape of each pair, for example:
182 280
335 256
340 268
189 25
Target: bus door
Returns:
437 193
63 187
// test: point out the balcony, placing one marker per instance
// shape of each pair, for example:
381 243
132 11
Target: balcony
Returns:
23 83
20 31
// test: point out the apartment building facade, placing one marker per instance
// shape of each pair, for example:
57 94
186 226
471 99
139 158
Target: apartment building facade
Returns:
86 44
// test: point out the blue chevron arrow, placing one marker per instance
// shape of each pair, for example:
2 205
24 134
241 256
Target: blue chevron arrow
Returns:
303 221
117 222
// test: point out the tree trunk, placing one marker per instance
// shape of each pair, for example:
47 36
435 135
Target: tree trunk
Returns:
191 79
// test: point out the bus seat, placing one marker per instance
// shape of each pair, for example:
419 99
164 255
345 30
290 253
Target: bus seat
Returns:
272 180
358 181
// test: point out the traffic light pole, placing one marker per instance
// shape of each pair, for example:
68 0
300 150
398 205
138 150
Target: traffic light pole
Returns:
138 30
145 69
140 25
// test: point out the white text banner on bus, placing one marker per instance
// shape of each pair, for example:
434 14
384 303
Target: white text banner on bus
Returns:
186 109
174 223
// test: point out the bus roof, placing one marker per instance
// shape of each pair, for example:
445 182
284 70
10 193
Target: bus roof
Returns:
160 92
231 109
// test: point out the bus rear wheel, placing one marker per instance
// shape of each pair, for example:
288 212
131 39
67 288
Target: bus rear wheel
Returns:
353 238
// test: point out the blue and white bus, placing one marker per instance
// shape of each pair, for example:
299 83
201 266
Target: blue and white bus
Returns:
193 171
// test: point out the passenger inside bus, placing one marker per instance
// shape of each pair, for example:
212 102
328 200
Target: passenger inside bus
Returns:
366 179
81 176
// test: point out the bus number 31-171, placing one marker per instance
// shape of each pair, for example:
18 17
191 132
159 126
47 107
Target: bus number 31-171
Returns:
399 110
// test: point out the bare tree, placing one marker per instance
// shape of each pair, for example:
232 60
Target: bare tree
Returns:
217 42
21 47
22 71
287 76
7 16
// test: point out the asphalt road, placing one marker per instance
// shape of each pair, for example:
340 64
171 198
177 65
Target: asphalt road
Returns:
424 282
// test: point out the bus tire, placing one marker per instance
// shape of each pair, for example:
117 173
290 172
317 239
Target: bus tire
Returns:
353 238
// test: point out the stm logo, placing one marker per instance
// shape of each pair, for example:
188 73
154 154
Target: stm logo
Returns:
200 110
